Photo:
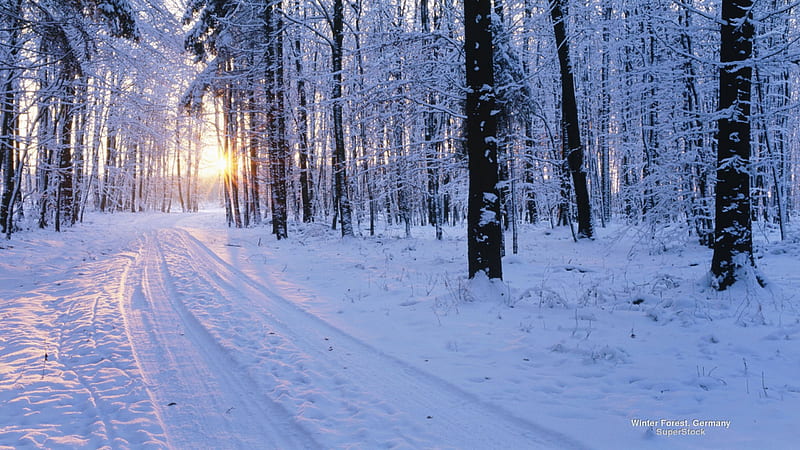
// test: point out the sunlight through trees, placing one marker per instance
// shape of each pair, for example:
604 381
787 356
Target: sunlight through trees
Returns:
357 114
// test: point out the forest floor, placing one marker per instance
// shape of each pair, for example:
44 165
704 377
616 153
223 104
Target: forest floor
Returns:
153 331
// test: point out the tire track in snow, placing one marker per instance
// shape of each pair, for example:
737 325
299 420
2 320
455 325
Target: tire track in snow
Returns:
205 397
347 392
89 374
94 349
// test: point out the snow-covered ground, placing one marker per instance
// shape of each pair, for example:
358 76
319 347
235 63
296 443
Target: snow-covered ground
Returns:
151 331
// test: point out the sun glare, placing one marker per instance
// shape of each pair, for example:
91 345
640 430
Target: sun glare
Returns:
213 164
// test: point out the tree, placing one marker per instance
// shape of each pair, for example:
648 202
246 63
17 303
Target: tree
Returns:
570 131
302 128
12 23
484 235
342 196
246 78
67 41
733 235
279 152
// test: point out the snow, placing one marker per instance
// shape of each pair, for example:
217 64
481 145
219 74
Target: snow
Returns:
154 331
487 217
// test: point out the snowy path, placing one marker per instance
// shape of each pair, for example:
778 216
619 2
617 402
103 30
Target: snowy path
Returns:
68 378
200 389
235 364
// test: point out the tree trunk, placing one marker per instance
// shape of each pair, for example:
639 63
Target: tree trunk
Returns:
733 236
605 111
7 149
570 131
44 159
531 210
700 212
279 148
302 131
484 235
339 156
65 196
133 169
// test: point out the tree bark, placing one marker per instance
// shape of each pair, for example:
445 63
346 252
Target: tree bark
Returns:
339 156
302 131
484 235
8 123
7 149
570 131
279 148
65 196
605 112
733 236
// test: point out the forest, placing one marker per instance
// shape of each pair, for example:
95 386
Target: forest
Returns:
516 224
360 113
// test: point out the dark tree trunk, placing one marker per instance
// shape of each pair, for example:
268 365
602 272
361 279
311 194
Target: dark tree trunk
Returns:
570 131
110 169
777 191
432 121
9 120
65 196
229 150
700 211
279 149
531 210
733 236
7 149
302 131
254 205
81 113
339 156
484 235
179 181
605 112
8 117
133 158
44 160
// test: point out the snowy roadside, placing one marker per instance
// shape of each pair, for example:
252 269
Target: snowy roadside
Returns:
68 376
582 339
